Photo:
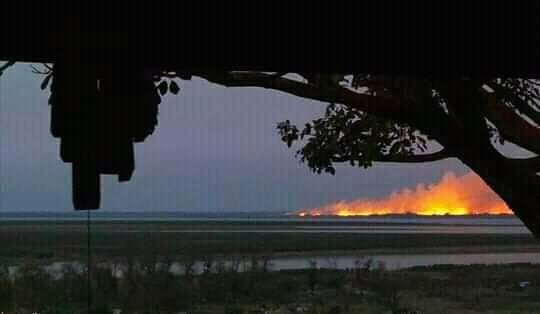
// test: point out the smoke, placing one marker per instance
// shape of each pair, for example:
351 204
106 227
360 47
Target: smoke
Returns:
452 195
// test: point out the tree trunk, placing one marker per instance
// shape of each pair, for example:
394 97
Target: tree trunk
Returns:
517 187
522 198
516 184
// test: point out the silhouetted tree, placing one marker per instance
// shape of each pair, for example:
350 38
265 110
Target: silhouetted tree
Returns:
32 287
313 276
362 267
188 266
6 288
208 264
373 118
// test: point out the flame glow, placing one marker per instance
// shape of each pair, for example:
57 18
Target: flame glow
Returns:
452 195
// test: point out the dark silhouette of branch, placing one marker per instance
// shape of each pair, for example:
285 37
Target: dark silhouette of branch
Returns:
442 154
520 104
47 70
397 109
529 164
511 126
384 106
5 66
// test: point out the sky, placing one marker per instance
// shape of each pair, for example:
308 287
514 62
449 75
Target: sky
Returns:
215 149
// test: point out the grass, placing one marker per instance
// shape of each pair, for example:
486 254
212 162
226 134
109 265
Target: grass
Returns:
484 289
435 289
67 240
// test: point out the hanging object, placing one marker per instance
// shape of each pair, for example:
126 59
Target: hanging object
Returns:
98 113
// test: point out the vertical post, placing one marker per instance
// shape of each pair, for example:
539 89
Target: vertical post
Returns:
89 258
86 185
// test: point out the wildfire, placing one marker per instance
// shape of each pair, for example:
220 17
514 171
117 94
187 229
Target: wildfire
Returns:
452 195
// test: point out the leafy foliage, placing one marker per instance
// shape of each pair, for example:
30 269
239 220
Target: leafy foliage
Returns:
526 89
6 65
347 134
522 95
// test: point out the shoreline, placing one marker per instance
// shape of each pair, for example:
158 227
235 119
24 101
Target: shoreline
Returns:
492 249
331 253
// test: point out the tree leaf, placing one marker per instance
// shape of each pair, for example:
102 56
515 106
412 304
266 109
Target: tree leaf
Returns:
393 149
162 88
46 81
174 88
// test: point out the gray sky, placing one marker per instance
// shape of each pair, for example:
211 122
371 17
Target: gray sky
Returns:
214 149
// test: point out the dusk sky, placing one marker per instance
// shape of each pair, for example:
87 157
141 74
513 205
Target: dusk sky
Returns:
215 148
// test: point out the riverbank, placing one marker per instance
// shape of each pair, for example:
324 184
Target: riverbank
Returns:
306 264
452 289
58 241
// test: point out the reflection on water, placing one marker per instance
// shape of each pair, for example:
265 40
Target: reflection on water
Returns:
405 261
333 262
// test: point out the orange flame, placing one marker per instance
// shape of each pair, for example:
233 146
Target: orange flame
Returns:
452 195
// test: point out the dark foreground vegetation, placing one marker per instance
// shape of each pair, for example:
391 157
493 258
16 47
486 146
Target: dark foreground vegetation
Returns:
132 271
148 287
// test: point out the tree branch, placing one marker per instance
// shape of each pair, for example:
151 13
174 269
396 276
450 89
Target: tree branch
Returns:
442 154
5 66
383 106
426 118
520 104
529 164
511 126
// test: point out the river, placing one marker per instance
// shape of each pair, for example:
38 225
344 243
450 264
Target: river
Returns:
390 262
